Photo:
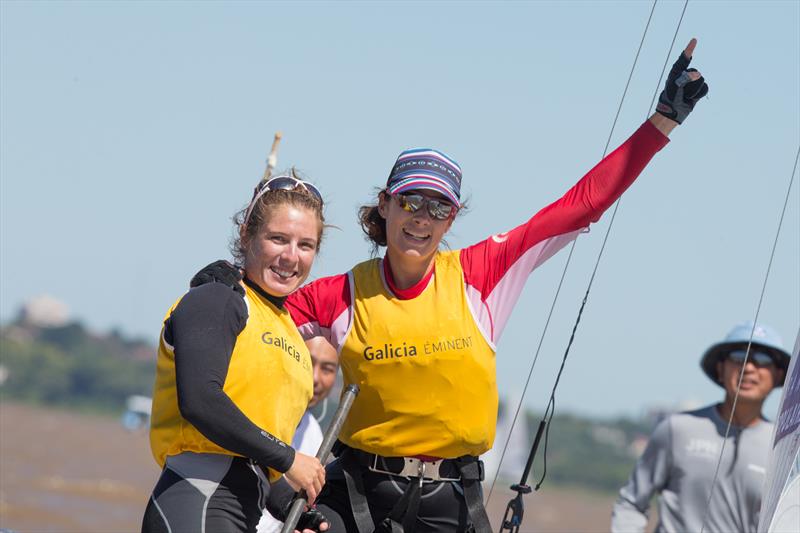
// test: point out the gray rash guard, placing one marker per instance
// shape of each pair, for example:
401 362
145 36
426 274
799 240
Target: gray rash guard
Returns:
679 464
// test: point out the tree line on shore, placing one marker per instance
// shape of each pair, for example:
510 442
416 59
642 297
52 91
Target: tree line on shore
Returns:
68 366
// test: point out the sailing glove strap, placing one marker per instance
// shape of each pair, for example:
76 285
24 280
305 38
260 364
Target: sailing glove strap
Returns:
681 93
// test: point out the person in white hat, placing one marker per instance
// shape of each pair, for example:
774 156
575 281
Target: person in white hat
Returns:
681 458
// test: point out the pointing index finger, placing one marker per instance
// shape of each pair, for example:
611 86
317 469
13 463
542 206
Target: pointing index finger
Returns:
689 51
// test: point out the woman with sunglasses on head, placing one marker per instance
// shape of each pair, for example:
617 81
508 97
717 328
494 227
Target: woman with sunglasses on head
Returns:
234 377
417 330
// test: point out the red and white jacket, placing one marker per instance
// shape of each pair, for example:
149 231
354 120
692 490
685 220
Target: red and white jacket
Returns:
496 268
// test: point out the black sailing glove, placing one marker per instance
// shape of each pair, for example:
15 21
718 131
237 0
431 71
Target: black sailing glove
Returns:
311 519
681 93
279 502
222 272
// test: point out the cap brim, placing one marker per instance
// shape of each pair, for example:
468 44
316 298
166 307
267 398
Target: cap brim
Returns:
716 353
420 186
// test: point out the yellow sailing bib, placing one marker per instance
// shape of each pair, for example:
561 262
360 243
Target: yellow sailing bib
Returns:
269 379
426 373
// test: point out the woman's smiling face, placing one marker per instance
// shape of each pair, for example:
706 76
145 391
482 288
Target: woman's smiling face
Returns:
280 254
414 235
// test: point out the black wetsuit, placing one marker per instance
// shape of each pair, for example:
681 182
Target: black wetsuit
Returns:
212 492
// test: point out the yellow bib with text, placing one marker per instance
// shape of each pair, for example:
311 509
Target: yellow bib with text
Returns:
269 379
426 373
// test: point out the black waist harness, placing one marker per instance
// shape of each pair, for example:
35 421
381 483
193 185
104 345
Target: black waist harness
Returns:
466 470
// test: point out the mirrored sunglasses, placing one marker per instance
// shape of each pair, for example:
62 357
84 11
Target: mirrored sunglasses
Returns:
284 182
760 359
438 209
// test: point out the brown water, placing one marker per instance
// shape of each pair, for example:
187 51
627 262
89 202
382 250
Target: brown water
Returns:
61 471
66 472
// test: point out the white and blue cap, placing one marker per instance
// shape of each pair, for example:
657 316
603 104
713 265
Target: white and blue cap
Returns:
427 169
765 339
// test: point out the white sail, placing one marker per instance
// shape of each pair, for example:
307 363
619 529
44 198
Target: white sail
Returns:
780 502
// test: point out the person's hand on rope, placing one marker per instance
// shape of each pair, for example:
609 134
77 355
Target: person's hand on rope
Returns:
221 272
306 473
684 87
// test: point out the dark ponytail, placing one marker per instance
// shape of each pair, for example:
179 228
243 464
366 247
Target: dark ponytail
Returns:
373 224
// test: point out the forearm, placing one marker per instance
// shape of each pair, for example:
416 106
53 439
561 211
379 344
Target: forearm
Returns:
488 261
662 123
213 413
498 267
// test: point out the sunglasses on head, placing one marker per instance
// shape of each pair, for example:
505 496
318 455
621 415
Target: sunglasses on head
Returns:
438 209
284 182
760 359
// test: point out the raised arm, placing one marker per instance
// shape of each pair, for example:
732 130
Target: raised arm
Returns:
496 269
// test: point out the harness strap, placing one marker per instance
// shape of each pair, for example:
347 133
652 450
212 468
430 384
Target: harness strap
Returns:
402 517
356 493
471 477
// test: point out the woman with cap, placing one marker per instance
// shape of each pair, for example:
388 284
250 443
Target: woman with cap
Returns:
234 377
681 457
417 329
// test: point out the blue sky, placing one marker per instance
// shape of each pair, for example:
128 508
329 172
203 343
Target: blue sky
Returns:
131 132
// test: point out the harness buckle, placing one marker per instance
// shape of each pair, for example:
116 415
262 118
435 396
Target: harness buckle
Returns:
414 468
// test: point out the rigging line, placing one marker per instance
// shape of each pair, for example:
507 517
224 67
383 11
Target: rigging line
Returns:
750 342
530 373
610 224
566 265
550 410
669 54
551 403
628 83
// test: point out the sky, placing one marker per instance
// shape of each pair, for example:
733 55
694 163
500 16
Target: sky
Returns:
130 133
